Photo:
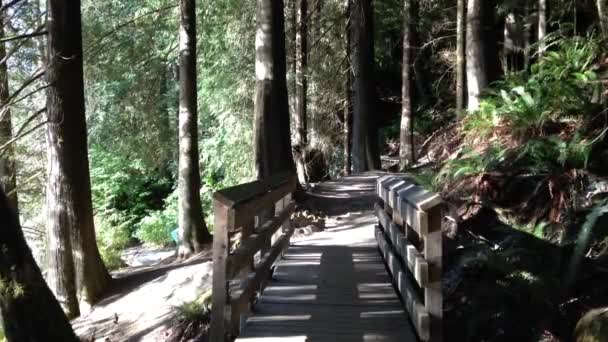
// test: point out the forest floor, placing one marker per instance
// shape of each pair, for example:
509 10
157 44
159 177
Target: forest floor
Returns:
143 300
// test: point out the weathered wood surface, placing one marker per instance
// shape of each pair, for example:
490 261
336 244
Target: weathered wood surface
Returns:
333 286
409 237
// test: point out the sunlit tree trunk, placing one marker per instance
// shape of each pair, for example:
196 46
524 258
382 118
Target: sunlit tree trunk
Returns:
348 84
30 312
301 87
365 150
192 228
272 137
527 30
8 172
460 54
542 25
475 65
602 15
406 150
69 204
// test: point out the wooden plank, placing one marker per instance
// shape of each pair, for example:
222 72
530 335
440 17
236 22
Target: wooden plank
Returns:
420 198
219 315
249 203
380 182
386 186
382 216
393 196
241 299
242 255
241 193
414 218
433 254
418 313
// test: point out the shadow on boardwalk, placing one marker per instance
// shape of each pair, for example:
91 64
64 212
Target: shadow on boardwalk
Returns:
333 285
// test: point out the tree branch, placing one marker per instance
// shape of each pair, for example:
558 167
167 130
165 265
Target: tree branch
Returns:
23 36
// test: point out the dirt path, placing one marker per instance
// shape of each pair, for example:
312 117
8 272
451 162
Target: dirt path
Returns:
142 304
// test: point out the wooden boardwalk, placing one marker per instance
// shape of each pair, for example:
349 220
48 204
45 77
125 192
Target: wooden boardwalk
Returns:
333 285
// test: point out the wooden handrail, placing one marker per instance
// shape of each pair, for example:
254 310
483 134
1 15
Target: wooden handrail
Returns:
238 207
409 238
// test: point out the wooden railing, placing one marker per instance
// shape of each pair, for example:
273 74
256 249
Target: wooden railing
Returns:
409 237
241 267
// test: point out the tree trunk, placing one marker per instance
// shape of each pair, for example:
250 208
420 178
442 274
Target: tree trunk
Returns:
301 87
365 152
348 84
602 16
476 72
192 228
272 137
542 25
69 205
406 149
460 55
527 29
30 313
492 39
8 172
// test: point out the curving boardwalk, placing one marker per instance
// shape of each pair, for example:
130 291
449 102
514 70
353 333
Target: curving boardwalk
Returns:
333 285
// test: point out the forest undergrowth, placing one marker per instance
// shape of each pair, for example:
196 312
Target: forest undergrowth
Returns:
525 180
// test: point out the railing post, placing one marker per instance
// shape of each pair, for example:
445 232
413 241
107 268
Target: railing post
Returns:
433 296
220 315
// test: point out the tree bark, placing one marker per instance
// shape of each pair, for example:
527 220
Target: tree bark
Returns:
602 16
272 135
542 25
477 79
348 84
460 55
406 147
301 87
8 172
30 313
365 151
192 228
69 205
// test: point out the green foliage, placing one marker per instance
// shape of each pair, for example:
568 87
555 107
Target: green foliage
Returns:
155 229
533 122
193 311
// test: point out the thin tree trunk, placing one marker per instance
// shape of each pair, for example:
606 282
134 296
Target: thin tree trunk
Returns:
192 228
272 137
69 204
30 312
365 145
348 84
603 16
476 72
8 172
406 149
460 55
542 25
527 29
301 87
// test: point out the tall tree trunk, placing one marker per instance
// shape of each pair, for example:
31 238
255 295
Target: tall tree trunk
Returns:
542 25
365 145
8 172
192 228
492 38
348 84
460 54
272 137
527 30
406 149
476 72
69 205
301 87
602 16
30 312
